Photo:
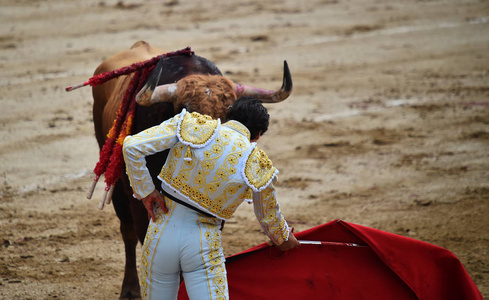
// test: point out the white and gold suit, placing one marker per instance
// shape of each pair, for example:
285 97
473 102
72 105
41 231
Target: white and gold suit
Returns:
212 167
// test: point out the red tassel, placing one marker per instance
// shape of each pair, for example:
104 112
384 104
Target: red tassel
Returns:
111 160
116 166
128 124
125 104
107 149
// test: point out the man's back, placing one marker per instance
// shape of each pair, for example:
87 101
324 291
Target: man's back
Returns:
207 165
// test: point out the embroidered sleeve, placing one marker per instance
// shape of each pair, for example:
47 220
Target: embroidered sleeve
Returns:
147 142
268 213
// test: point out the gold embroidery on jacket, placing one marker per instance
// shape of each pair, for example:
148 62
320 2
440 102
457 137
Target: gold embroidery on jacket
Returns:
259 170
240 128
207 183
197 129
160 137
271 220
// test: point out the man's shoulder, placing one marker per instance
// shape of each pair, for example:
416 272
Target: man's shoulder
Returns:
259 170
196 129
237 127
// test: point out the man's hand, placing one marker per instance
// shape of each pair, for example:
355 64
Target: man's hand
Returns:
150 200
289 244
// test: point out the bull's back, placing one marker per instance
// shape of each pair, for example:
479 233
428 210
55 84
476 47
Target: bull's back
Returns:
107 96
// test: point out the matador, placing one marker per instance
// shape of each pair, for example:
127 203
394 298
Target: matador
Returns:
210 170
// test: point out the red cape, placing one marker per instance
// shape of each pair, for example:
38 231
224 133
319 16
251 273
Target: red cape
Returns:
386 266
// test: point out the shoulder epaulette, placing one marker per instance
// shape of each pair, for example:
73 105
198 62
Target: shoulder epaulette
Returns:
197 130
259 170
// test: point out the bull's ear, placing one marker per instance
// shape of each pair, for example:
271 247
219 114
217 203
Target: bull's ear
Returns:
144 95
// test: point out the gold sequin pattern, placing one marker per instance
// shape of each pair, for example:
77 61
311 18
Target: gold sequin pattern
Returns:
211 179
259 170
268 213
217 269
197 129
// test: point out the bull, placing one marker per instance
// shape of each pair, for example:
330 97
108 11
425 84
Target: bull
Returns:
172 86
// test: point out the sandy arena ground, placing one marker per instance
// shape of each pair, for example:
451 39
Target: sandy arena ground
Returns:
387 127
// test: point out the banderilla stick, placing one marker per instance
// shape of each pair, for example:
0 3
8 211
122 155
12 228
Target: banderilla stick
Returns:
330 243
101 78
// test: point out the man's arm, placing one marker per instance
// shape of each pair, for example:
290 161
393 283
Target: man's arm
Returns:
147 142
267 211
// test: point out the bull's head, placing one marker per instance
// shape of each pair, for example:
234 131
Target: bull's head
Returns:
207 94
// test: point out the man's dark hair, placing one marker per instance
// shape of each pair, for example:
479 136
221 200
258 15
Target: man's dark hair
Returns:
251 113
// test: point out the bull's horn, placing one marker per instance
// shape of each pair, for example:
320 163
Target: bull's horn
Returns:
268 96
150 93
162 93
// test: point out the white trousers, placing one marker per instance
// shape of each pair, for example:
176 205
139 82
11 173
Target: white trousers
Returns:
187 241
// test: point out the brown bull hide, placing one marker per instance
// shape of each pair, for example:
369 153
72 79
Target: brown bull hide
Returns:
108 96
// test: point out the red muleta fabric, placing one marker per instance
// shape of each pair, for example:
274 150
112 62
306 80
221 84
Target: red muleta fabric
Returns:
386 267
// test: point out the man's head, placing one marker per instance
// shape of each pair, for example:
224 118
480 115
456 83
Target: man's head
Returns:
251 113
